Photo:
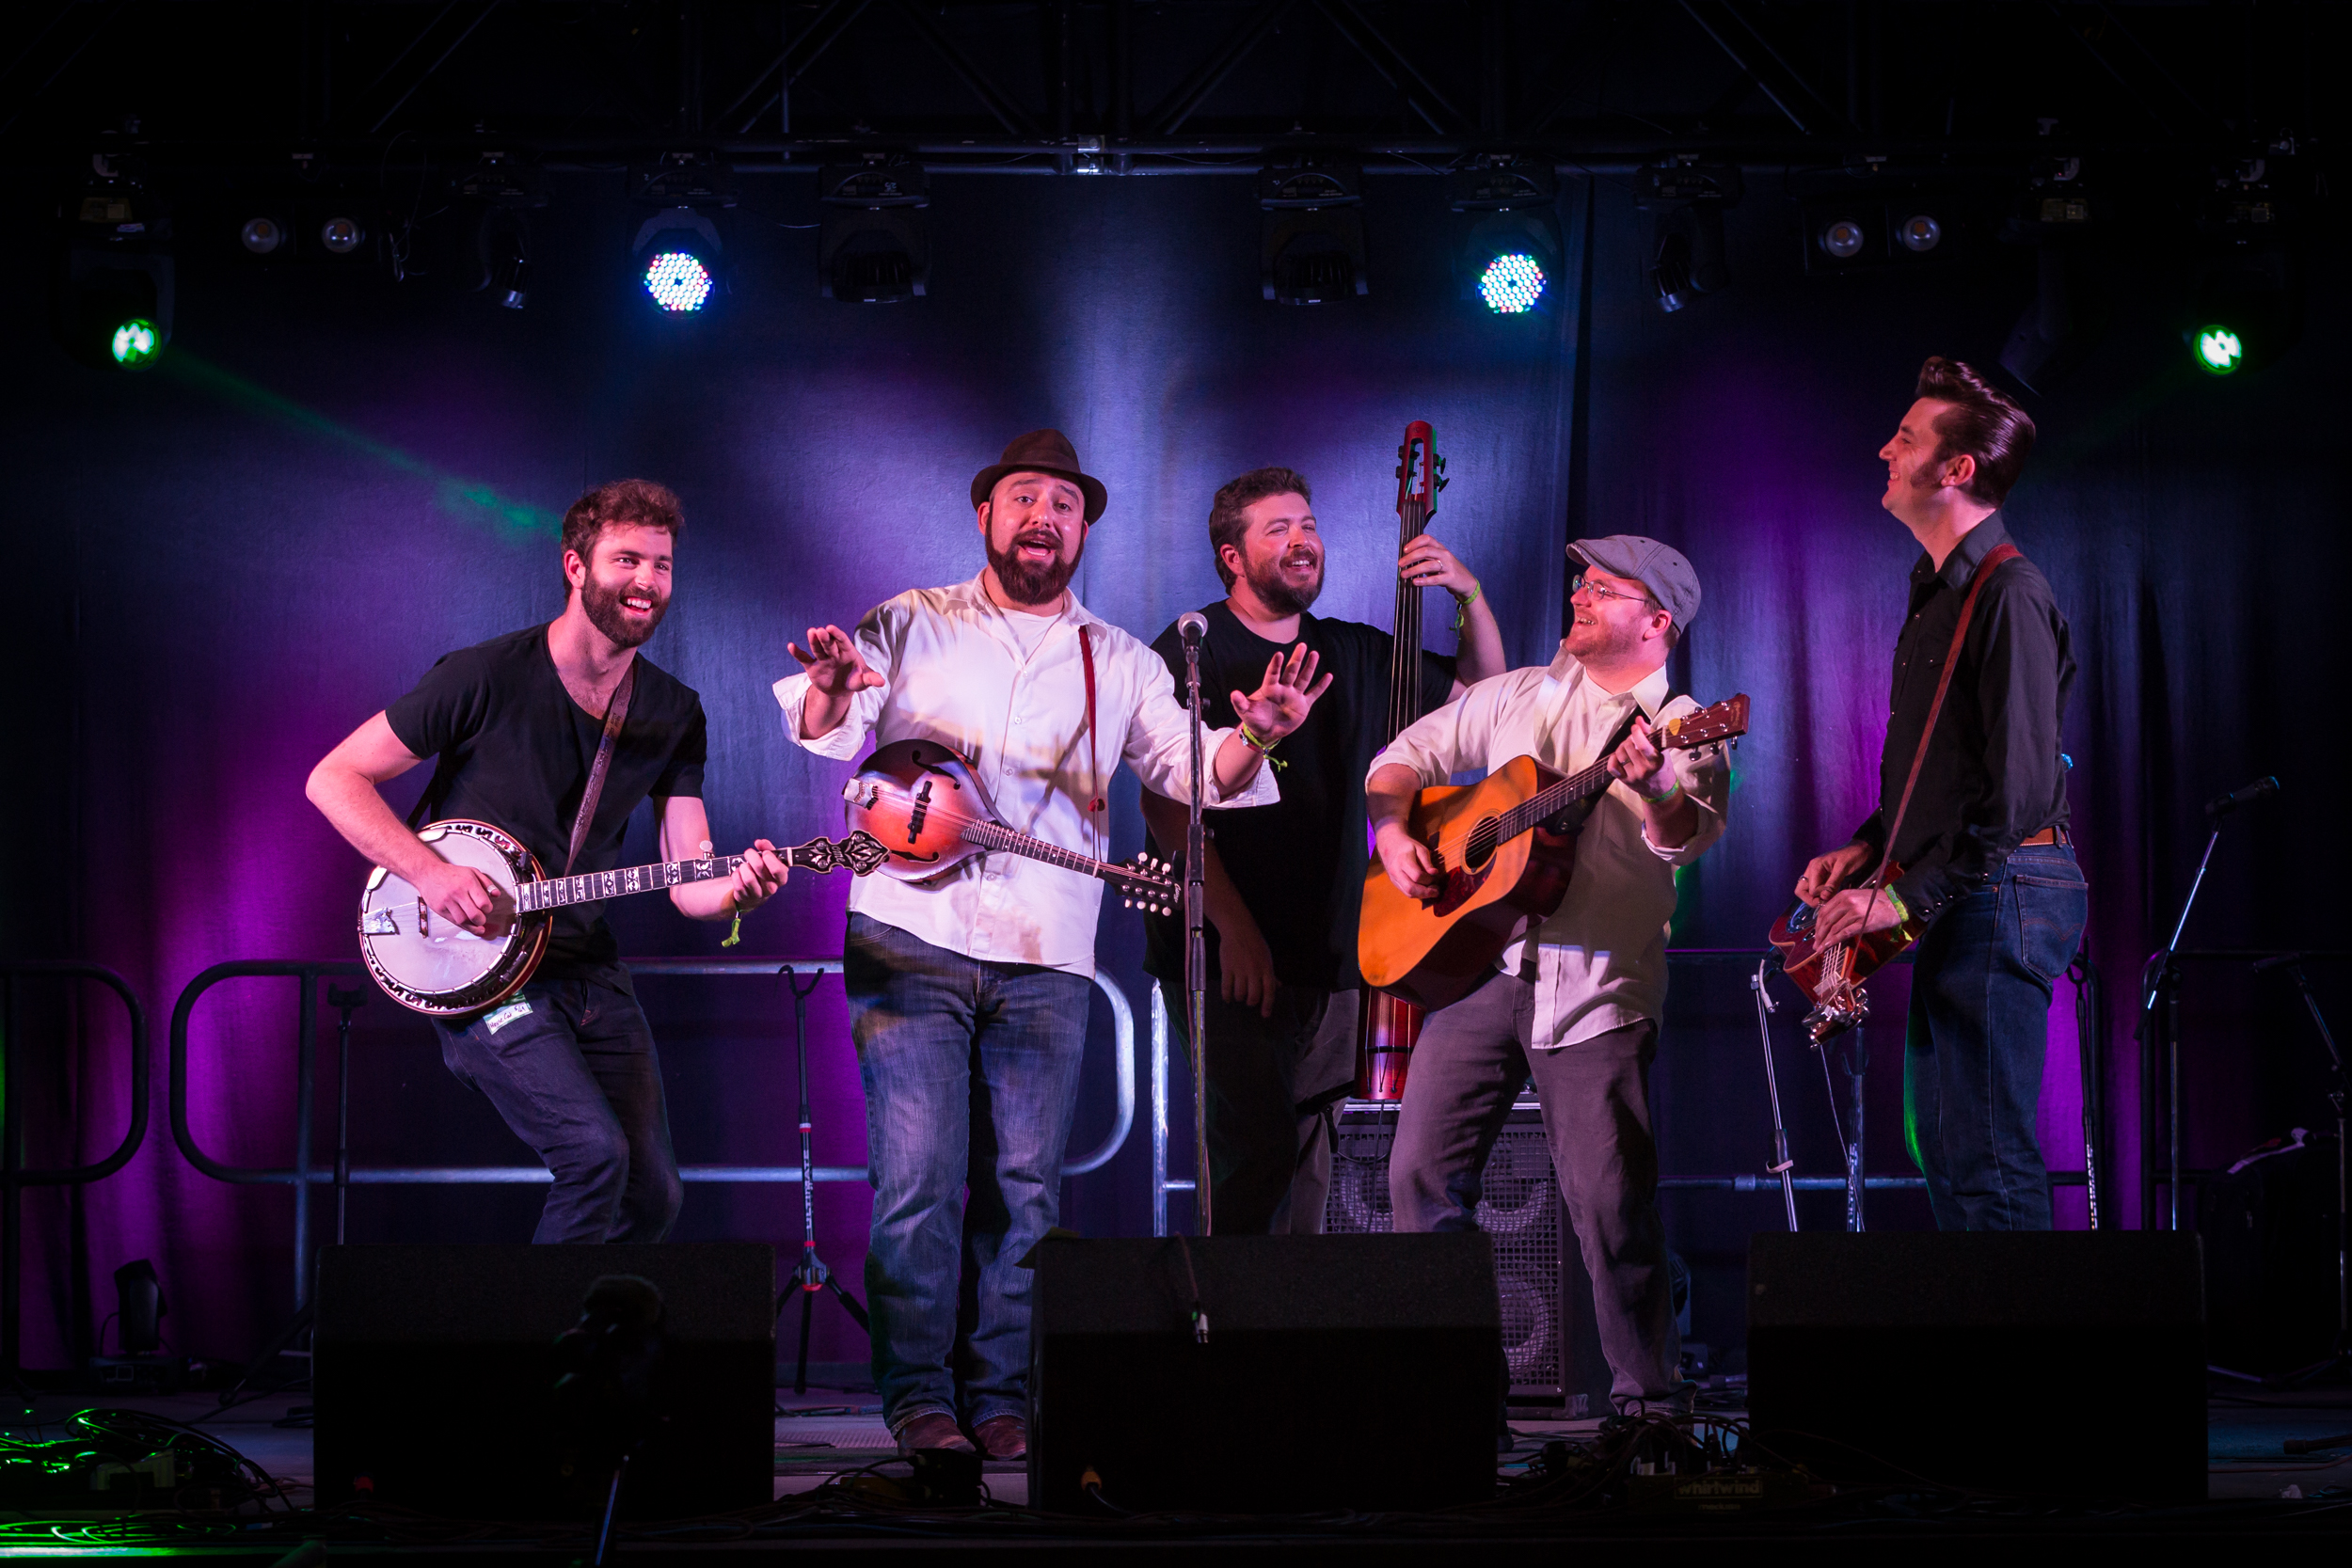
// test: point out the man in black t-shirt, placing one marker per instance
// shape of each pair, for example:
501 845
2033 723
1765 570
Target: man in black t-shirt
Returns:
1285 882
515 724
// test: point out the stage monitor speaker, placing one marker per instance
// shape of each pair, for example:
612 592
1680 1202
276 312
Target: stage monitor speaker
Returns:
434 1372
1330 1372
2043 1362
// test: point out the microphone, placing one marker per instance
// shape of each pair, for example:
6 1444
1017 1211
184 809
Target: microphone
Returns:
2245 795
1192 626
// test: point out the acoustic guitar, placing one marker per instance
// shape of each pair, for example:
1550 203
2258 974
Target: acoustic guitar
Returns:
434 965
922 803
1505 848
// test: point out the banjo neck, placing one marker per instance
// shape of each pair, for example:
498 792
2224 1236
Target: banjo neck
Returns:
591 887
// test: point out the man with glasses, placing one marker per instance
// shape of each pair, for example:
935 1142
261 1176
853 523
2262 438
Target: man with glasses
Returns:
1575 1003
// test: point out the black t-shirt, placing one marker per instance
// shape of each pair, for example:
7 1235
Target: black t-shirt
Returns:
514 751
1298 865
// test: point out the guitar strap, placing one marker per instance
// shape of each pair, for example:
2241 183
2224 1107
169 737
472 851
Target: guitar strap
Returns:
1086 652
616 713
1994 557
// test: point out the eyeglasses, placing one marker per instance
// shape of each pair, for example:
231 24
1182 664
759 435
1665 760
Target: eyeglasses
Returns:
1602 591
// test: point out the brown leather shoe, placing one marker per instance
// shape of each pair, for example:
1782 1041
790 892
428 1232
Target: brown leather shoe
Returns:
933 1429
1004 1437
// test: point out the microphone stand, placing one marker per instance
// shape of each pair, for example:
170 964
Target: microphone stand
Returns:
1197 946
2160 981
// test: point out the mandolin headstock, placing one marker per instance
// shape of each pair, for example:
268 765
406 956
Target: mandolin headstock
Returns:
1144 883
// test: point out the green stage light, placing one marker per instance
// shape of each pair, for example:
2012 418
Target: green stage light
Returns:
2220 351
135 342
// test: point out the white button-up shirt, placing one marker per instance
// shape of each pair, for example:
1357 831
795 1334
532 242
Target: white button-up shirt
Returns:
1599 962
955 672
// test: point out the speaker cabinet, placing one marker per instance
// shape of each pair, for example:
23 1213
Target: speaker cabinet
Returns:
1337 1373
2049 1362
433 1369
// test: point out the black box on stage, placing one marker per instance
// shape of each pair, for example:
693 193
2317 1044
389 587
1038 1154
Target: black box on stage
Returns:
2054 1362
1339 1371
434 1370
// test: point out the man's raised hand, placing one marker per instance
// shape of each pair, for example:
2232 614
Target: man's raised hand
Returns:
1282 700
834 664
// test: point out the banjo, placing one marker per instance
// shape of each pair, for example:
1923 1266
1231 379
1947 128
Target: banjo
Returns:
435 965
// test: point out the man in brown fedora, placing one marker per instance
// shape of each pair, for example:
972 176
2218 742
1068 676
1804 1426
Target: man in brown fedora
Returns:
968 992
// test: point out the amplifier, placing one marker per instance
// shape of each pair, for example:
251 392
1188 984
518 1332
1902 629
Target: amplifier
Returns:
1547 1335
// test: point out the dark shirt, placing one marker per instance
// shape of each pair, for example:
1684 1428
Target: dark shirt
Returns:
1994 776
1298 865
514 751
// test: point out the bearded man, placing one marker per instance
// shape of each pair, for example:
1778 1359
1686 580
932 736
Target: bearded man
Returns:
968 992
1575 1003
1285 882
517 723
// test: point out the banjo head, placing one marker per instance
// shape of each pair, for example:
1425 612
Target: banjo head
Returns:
433 965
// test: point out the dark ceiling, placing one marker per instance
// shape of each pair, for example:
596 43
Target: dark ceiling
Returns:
1164 85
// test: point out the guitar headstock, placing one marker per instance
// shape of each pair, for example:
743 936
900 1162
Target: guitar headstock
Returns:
1420 472
1144 883
860 853
1726 720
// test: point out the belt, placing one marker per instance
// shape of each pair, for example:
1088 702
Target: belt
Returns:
2048 836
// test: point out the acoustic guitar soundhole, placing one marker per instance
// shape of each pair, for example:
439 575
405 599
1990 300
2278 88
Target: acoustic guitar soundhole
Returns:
1481 847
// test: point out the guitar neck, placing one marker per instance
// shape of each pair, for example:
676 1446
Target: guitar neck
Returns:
1551 800
591 887
996 836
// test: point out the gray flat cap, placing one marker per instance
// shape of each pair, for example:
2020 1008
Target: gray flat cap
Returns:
1659 568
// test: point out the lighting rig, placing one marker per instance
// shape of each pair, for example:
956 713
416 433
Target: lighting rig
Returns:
2248 307
678 258
1310 244
1686 199
1510 255
874 246
111 296
500 192
2061 216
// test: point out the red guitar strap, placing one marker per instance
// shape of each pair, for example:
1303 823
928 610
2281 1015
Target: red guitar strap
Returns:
1993 558
1086 652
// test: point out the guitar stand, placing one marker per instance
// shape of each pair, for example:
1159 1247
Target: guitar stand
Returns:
810 1275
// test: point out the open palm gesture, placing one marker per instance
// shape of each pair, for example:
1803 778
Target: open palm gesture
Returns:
1282 700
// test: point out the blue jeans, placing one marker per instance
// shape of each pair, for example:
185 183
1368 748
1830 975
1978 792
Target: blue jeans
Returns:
571 1067
1980 991
971 1075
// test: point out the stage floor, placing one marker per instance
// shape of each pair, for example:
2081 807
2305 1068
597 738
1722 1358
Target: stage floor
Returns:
825 1432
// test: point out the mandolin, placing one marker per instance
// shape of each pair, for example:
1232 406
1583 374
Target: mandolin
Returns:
1507 848
1388 1026
434 965
920 801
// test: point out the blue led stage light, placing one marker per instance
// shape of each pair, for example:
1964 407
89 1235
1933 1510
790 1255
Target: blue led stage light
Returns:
1512 282
677 262
677 280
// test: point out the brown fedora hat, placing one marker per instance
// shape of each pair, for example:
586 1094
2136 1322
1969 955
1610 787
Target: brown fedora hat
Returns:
1043 452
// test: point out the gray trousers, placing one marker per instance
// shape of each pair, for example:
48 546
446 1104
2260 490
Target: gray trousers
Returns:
1466 1071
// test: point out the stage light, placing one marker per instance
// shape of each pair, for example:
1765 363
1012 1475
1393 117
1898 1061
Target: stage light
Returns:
677 257
1920 233
112 288
873 244
261 235
1511 253
341 235
1844 238
1311 240
1686 200
1512 283
2220 351
677 280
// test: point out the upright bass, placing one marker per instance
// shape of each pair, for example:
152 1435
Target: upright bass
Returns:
1387 1026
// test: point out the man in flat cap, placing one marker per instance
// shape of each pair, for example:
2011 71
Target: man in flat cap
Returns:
968 992
1577 1003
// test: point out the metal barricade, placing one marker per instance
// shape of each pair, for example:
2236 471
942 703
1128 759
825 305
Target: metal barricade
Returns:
14 1177
340 1175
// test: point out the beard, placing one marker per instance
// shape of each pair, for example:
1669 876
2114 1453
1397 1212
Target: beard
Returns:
1033 583
605 613
1283 599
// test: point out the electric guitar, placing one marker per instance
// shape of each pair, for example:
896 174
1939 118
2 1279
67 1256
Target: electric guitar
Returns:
921 803
1505 848
434 965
